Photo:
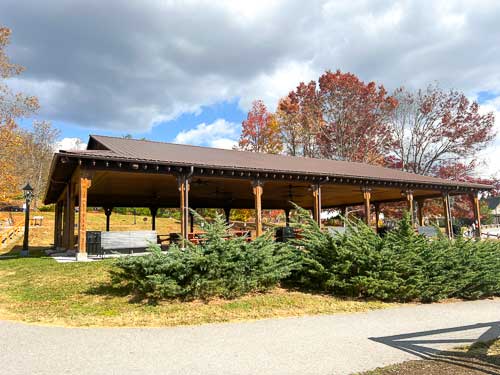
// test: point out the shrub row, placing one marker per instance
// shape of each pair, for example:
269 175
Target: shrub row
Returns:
401 266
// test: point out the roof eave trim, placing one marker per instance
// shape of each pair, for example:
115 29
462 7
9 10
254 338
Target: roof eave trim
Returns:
450 185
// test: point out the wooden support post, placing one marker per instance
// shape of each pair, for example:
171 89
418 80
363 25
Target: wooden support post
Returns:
367 195
186 204
257 192
477 213
84 184
58 225
420 212
377 216
316 189
71 221
63 224
227 214
447 215
287 217
191 222
182 190
183 182
154 212
411 210
65 232
108 211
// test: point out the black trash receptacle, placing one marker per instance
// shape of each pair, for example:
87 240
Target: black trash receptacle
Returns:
284 234
94 243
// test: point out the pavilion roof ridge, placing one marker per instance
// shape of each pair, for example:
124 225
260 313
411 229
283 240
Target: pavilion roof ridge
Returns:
283 156
118 155
108 148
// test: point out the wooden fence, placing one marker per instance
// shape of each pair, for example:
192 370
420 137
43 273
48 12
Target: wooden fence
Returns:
486 234
490 235
11 233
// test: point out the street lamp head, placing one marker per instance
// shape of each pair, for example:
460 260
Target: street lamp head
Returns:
28 192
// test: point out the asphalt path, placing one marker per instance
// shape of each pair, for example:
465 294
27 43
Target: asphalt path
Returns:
328 344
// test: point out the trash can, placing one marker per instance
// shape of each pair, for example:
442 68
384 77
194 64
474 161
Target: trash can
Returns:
94 243
284 234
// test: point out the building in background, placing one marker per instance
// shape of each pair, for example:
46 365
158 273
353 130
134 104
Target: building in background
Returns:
494 206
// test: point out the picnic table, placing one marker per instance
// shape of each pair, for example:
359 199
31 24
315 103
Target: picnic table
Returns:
198 237
37 220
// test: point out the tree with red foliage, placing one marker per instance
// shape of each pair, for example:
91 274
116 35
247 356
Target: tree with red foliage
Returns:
300 117
356 118
462 204
435 129
260 131
439 133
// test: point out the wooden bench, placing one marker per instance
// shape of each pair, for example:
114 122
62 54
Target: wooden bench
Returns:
106 242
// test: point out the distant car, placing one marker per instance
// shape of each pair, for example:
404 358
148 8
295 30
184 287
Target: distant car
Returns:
11 209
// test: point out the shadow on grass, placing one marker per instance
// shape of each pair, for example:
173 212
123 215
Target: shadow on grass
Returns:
114 289
293 286
417 343
34 252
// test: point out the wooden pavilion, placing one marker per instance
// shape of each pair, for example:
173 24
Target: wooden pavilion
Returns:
119 172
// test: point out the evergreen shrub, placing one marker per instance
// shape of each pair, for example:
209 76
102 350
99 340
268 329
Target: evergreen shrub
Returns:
221 265
401 266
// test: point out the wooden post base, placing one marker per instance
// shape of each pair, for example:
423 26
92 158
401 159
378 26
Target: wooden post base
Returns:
81 257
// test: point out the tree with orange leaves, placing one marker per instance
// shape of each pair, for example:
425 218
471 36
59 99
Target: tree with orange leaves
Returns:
356 118
338 117
260 131
12 106
10 140
301 118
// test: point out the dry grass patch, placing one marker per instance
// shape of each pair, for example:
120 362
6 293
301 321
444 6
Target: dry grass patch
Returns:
43 236
39 290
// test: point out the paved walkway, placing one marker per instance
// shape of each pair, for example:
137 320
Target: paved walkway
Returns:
336 344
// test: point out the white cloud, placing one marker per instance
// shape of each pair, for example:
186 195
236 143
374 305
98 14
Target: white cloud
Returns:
224 143
91 68
220 134
491 155
272 86
69 144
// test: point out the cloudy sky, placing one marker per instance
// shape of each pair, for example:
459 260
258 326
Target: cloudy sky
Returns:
187 71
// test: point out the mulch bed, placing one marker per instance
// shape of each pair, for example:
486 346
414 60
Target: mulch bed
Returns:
475 361
435 367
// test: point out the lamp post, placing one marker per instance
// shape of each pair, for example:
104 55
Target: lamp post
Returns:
28 195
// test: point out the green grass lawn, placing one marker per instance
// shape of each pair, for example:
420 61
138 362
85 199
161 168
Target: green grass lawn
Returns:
39 290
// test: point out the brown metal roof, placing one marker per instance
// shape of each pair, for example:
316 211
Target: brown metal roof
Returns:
151 151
